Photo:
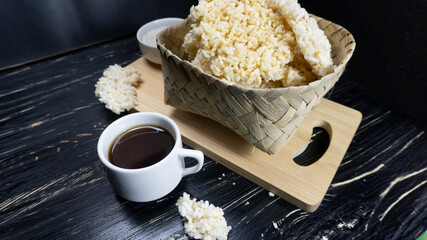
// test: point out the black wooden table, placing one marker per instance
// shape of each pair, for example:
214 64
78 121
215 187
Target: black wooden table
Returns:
53 186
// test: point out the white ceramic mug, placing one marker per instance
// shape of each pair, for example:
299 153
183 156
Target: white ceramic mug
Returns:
155 181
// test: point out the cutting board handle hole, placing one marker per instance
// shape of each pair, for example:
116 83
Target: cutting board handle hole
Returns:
315 148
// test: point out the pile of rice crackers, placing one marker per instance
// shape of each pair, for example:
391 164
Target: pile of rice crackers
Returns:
257 43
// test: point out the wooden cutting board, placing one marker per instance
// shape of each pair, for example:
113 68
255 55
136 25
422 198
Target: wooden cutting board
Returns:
303 186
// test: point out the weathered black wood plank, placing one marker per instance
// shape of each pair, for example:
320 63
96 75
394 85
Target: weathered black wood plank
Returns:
53 186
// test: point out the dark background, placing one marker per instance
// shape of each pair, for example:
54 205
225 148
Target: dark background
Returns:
389 62
37 29
391 48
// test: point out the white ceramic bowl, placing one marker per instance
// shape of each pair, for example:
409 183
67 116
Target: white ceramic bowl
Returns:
146 36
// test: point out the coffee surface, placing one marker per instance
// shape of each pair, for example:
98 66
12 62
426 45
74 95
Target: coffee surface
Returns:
141 147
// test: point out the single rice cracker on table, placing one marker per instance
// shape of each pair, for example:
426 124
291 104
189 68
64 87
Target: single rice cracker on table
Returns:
116 88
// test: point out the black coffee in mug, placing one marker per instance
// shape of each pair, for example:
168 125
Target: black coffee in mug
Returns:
141 147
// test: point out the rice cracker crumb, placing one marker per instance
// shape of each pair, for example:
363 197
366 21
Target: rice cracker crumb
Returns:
116 88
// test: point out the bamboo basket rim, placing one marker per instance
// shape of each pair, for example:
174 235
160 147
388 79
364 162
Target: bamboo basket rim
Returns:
341 64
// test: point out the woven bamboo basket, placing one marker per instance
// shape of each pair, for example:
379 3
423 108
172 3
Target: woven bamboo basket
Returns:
267 118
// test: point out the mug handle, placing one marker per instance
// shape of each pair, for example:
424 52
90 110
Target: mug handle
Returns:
196 154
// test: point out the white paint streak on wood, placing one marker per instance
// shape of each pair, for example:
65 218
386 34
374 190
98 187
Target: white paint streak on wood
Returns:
18 71
400 198
372 122
297 219
266 207
86 106
369 150
36 124
92 181
28 86
244 196
62 181
147 224
161 216
59 59
380 153
241 220
58 76
407 144
399 179
83 134
49 131
24 195
72 82
62 115
82 177
27 109
5 119
83 107
12 92
12 150
294 211
6 133
358 177
362 153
